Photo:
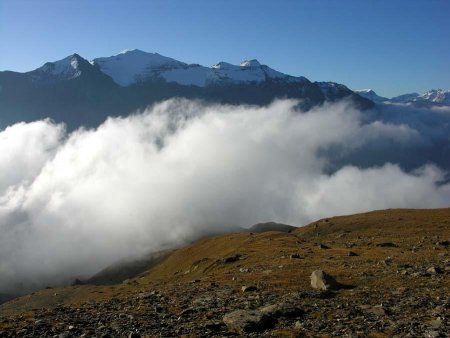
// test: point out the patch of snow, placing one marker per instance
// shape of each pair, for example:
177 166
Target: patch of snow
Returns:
135 65
67 68
371 95
247 71
131 66
439 96
250 64
220 73
433 96
191 76
224 65
126 50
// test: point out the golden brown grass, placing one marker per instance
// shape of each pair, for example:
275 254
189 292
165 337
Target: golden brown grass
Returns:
267 256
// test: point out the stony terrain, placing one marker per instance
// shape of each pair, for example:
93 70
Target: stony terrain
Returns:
388 276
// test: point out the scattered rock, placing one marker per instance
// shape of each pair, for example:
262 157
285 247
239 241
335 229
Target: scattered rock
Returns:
400 291
245 321
387 245
352 254
249 288
404 266
387 261
323 281
282 310
298 325
213 325
433 270
436 323
411 307
443 243
376 310
232 259
314 294
323 246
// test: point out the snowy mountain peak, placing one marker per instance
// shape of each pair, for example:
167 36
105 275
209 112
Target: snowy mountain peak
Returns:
250 64
366 91
223 65
136 52
433 97
439 96
434 94
67 68
371 95
126 51
132 66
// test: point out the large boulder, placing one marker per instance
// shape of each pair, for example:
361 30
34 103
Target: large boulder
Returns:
245 321
282 309
323 281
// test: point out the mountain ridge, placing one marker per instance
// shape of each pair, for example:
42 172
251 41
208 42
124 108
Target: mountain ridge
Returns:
82 93
438 97
371 95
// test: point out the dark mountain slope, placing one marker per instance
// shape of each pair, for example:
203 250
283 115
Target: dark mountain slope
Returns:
78 93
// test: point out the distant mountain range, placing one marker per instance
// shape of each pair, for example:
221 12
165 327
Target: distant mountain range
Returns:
79 92
431 97
83 93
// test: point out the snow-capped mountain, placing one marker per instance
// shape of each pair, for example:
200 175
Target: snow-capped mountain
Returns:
405 98
68 68
133 66
438 96
371 95
84 93
431 97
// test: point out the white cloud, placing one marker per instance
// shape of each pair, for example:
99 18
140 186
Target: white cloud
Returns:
24 149
70 204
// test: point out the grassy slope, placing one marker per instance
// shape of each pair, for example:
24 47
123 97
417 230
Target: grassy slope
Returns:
267 256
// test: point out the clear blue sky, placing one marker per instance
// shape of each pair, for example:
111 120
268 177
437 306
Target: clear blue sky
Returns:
391 46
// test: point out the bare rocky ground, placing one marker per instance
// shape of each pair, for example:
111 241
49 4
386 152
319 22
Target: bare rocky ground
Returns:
391 270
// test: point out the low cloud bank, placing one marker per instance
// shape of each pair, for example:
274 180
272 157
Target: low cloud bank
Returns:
72 203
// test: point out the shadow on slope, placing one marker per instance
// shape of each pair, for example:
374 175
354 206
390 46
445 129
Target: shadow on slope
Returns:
271 226
127 268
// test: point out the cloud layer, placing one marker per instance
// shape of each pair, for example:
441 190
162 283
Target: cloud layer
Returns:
72 203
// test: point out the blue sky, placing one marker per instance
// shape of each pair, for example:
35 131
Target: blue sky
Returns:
392 46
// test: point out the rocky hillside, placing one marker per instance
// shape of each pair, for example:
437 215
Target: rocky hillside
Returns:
378 274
